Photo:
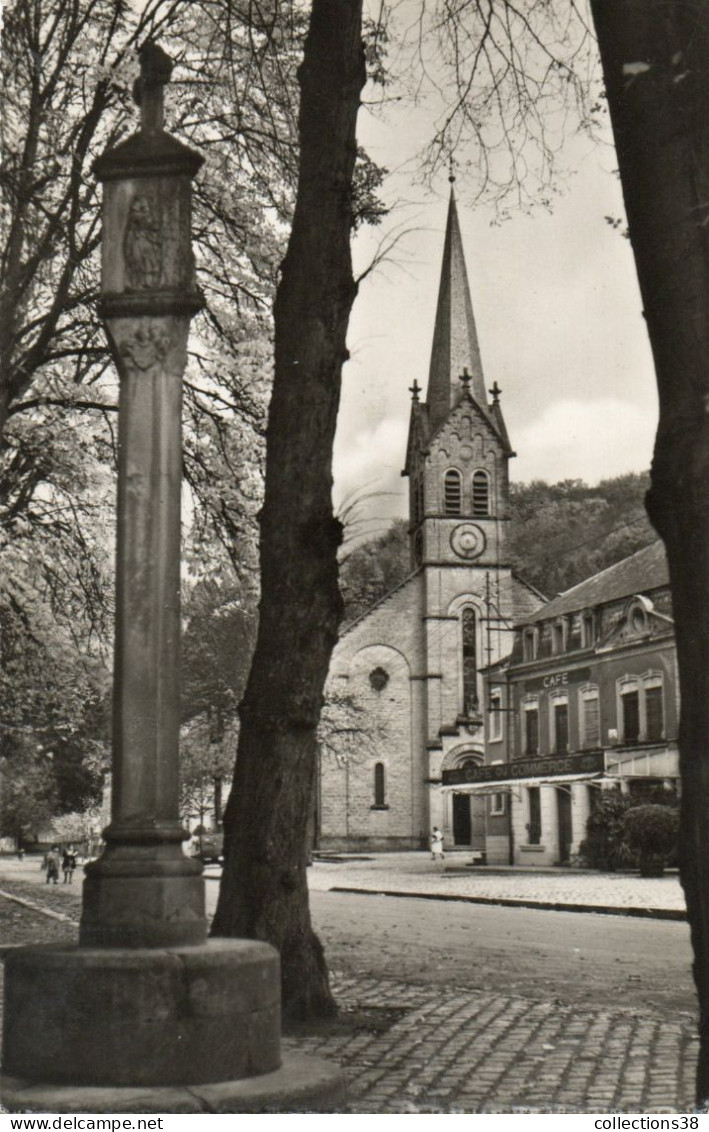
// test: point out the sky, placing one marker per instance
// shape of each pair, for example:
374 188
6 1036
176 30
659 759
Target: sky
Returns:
558 314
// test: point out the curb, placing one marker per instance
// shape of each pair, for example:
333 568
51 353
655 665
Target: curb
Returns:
542 905
38 908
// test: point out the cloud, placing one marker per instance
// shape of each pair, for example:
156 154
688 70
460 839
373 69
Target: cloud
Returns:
589 440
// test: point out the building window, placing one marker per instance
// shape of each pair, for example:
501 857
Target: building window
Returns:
470 663
654 708
452 492
534 808
497 804
558 637
530 644
495 714
481 494
590 717
378 678
589 630
559 718
641 709
379 786
531 728
630 714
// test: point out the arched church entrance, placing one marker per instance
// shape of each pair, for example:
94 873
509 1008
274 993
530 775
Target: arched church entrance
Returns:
468 812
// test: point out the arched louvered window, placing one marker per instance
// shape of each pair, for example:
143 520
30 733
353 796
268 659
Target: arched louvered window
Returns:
452 492
379 785
481 494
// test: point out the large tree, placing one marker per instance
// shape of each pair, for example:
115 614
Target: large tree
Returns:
264 888
656 64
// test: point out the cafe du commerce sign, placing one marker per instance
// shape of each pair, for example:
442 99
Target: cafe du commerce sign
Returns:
589 763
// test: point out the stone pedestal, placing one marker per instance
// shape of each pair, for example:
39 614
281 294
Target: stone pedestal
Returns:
184 1029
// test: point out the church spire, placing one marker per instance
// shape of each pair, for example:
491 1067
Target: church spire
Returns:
455 339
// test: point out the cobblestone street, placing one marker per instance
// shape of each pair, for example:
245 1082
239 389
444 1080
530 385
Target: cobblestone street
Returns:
412 1047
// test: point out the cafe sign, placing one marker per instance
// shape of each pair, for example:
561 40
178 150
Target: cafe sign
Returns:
588 763
553 680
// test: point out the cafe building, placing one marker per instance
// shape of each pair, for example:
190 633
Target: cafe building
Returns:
588 700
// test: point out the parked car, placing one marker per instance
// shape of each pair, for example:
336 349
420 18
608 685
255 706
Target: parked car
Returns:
212 848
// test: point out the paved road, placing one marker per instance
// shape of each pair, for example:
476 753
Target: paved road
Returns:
450 1007
581 958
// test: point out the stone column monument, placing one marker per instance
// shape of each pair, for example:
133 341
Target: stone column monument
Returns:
145 1014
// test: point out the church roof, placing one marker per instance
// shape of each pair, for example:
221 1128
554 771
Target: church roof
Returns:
455 339
641 572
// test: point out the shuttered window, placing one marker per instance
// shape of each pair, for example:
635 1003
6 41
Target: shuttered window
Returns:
481 494
654 713
591 720
452 493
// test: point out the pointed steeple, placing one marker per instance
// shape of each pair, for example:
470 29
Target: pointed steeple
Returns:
455 339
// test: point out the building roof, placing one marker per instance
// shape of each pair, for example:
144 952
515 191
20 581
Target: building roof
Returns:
526 599
643 571
455 338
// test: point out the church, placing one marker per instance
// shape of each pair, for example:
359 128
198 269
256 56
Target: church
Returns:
412 663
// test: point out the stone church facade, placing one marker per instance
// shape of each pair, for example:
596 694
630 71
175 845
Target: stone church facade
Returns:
412 662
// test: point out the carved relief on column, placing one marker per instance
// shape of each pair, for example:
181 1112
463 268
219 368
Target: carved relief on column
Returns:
142 244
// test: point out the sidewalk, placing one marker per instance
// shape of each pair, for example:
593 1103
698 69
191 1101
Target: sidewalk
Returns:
562 889
415 1048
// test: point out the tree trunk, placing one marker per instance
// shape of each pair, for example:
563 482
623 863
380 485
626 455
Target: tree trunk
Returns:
656 65
264 892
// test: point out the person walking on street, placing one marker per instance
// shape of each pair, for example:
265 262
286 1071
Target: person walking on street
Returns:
69 864
436 841
51 864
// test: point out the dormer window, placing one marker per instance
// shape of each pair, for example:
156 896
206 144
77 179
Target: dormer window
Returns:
452 492
530 644
558 637
481 494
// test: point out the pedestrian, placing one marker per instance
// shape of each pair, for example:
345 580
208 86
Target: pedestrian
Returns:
69 864
436 841
51 864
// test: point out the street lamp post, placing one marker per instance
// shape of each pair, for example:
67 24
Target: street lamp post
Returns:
145 1014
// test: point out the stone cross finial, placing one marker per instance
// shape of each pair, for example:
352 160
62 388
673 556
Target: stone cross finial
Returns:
414 390
155 71
451 169
466 379
495 393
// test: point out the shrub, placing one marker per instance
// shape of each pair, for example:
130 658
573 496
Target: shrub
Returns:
650 832
604 847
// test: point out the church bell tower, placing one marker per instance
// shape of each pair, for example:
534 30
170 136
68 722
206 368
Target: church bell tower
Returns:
457 463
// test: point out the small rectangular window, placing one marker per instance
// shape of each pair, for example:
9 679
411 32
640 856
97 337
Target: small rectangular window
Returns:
561 728
495 717
591 721
531 731
558 639
534 826
530 650
497 804
630 702
654 713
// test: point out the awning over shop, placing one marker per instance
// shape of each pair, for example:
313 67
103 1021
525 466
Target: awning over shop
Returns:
504 785
649 763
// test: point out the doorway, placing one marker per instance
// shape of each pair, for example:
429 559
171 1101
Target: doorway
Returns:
462 824
563 816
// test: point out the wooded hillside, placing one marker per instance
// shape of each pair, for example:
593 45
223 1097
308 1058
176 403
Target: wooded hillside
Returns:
560 534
